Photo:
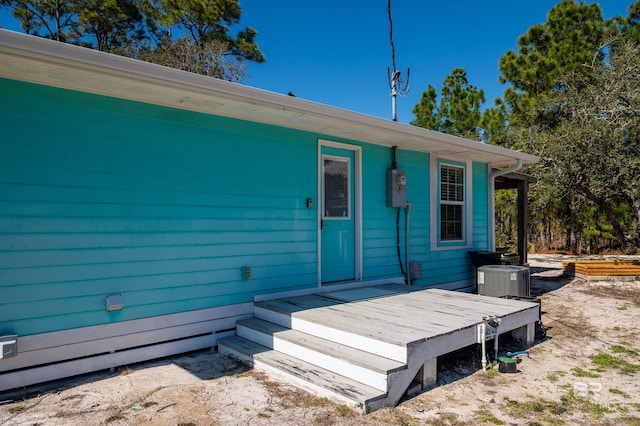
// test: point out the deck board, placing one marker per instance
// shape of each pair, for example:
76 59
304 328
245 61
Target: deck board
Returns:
408 316
381 337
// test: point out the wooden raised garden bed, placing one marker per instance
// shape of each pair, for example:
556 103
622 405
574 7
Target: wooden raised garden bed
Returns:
626 269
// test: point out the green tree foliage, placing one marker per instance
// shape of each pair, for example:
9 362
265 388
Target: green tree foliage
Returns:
459 110
494 124
54 19
198 32
110 24
556 48
593 152
426 111
631 27
210 20
506 222
566 56
206 58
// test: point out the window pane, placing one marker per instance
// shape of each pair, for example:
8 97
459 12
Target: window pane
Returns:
336 188
451 184
450 222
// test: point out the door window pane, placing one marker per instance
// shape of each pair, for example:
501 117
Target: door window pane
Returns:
336 188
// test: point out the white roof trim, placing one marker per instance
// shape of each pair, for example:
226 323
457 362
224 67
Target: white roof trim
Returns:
42 61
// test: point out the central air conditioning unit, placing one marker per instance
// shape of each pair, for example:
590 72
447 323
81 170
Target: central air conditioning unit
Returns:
504 280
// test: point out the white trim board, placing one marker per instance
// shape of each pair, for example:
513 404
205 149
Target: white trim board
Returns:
55 355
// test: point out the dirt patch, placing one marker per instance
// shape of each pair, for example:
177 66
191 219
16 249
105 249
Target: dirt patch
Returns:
586 371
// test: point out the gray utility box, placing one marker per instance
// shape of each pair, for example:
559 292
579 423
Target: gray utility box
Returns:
504 280
8 346
396 188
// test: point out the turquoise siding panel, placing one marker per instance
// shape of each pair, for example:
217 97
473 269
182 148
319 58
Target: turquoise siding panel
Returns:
480 206
380 256
453 264
448 266
102 196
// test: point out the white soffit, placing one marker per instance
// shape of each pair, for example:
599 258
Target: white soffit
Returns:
42 61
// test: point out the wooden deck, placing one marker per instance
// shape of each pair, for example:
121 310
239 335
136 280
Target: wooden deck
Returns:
367 346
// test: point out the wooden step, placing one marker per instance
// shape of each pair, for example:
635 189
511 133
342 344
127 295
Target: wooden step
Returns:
356 364
367 353
300 373
285 314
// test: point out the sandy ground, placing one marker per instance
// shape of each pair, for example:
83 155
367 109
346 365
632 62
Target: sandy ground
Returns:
586 371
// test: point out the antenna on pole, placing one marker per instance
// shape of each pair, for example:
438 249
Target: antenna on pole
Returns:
397 84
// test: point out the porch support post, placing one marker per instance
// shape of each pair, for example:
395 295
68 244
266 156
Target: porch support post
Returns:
523 220
429 373
526 333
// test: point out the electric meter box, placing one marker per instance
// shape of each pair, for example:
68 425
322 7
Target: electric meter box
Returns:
396 188
504 280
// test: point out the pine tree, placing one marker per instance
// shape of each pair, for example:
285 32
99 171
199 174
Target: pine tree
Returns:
458 112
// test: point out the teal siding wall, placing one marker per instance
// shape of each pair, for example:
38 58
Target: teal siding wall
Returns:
454 264
379 221
480 201
102 196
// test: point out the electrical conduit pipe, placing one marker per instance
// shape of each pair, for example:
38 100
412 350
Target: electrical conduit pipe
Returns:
407 221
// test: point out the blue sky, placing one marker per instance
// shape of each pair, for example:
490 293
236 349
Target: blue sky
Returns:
337 52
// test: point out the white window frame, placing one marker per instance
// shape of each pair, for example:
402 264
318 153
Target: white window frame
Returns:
442 202
437 243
